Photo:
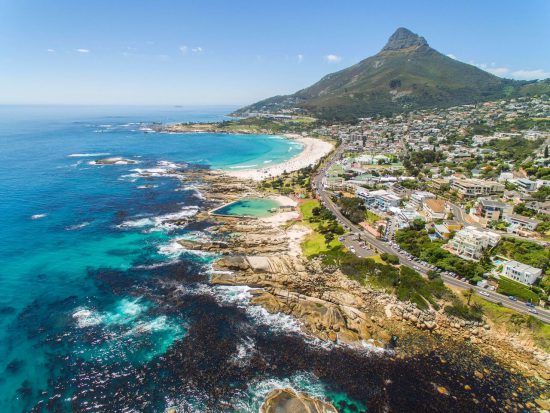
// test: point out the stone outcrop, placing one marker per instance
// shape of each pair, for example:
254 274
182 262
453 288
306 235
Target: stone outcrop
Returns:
291 401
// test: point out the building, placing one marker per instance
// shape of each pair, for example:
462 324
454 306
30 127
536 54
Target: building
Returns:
434 209
380 199
468 188
446 229
526 184
519 223
522 273
405 217
470 243
418 197
492 210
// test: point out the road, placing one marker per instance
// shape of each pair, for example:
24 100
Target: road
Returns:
382 246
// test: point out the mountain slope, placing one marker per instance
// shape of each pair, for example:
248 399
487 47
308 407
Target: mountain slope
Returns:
406 74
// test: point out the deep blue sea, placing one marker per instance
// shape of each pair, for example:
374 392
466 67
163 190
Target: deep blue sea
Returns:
100 310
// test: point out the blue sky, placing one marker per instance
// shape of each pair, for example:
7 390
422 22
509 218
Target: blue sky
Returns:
236 52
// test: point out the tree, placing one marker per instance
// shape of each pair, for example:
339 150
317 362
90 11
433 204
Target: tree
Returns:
418 224
432 275
468 294
546 151
329 236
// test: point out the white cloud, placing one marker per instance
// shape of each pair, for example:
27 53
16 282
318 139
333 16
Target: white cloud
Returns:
520 74
50 50
452 56
332 58
184 49
523 74
197 49
83 50
300 58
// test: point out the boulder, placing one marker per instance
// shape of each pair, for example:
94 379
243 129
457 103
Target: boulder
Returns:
291 401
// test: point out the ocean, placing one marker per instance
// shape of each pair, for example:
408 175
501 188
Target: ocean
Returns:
101 311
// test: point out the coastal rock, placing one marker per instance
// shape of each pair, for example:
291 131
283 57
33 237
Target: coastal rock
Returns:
290 401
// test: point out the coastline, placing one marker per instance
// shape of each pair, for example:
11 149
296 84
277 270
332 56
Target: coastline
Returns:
312 151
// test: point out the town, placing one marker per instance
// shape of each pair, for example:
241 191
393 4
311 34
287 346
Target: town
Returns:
462 192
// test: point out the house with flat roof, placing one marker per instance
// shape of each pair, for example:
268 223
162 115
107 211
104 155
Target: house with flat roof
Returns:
380 199
519 223
492 210
434 209
520 272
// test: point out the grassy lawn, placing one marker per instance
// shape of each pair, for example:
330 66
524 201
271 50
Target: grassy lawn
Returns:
371 217
516 322
377 259
507 286
314 243
306 208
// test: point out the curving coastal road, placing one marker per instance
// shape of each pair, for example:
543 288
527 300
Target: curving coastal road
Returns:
382 246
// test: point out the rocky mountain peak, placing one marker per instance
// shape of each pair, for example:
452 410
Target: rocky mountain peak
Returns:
403 39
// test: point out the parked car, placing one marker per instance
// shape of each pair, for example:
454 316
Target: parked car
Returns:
511 297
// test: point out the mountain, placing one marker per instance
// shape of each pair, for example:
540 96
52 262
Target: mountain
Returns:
406 74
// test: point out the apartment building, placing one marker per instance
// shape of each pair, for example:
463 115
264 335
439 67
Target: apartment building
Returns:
468 188
470 242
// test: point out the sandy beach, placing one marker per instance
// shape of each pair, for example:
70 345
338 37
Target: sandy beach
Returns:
313 150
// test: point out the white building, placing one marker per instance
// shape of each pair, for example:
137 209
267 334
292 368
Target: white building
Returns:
380 199
470 242
521 272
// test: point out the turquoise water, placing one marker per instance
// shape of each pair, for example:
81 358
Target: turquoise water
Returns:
251 207
64 219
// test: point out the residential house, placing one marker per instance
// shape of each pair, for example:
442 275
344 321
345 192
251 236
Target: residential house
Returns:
434 209
519 223
520 272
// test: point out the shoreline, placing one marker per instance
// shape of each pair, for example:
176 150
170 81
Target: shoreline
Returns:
312 151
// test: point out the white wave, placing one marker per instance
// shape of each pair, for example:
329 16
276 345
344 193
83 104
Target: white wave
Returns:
77 226
38 216
258 390
174 249
157 324
268 161
161 222
86 318
146 186
245 350
87 155
243 166
241 296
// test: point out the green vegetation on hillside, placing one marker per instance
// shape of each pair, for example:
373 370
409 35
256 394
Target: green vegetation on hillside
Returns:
406 283
419 244
516 323
526 252
510 287
514 149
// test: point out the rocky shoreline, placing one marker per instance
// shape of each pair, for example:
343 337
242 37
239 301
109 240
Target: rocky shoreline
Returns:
265 254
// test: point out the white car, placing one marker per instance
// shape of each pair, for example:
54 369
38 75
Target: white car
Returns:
484 293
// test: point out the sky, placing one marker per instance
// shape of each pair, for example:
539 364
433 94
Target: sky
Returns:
221 52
